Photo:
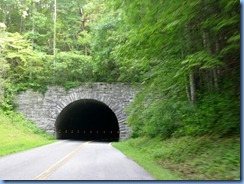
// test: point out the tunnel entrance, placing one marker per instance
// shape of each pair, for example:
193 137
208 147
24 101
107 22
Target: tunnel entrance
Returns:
87 119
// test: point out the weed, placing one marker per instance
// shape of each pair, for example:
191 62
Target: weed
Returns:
18 134
190 158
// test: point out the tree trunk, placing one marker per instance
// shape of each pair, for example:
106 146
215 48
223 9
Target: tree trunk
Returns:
216 69
54 40
187 92
215 76
33 24
33 33
54 28
192 87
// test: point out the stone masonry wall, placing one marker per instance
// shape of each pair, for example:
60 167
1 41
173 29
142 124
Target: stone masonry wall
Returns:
44 109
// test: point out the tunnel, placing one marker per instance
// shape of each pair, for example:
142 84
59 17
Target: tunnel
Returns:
87 119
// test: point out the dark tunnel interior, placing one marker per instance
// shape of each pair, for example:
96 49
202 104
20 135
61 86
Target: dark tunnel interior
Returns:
87 119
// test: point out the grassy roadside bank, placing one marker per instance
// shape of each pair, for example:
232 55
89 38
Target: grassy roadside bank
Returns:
18 134
186 158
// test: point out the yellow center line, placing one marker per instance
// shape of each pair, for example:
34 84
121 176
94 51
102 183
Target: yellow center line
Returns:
54 167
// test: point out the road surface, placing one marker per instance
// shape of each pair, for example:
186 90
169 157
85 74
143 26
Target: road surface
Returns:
71 160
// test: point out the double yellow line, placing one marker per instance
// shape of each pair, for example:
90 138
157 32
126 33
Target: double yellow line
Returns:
54 167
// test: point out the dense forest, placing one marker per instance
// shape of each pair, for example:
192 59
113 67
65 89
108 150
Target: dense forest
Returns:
184 54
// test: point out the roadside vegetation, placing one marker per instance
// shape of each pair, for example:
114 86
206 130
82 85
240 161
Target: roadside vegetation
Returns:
186 158
18 134
185 56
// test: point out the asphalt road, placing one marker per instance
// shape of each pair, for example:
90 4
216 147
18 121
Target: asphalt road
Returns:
71 160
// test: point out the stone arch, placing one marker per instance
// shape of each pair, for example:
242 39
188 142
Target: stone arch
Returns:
110 101
87 119
44 109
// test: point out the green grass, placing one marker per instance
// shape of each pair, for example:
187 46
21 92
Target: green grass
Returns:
145 160
187 158
18 134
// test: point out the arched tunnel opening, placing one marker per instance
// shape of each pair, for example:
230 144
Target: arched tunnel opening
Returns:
87 119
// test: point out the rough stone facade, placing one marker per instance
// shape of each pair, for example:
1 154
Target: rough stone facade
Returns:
44 109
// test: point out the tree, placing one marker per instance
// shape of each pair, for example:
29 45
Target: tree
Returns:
179 52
